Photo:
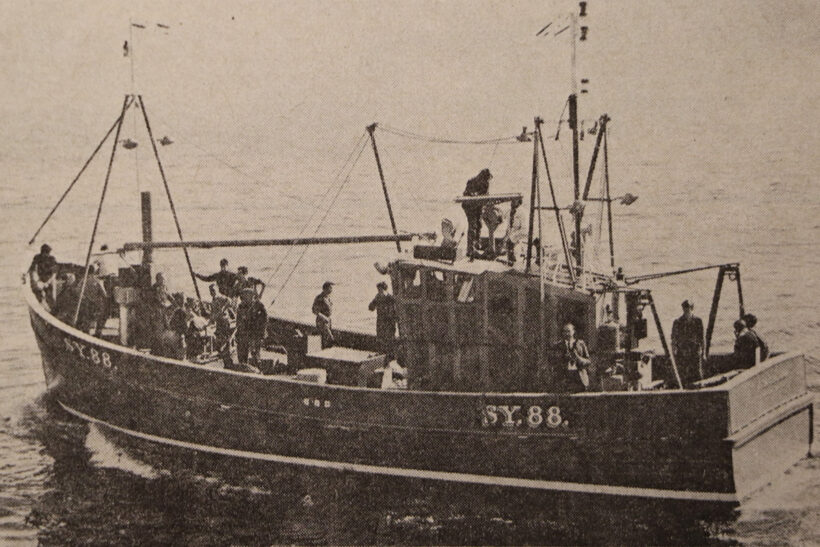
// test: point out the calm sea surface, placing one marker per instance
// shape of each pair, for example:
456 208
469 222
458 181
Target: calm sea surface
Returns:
717 137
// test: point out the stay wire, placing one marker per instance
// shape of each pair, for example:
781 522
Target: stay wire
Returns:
327 212
233 167
326 193
82 170
129 99
315 210
417 136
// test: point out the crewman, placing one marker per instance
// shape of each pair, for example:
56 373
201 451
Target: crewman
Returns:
574 362
196 337
384 304
476 186
159 292
169 339
745 354
44 283
224 320
101 296
67 297
751 322
493 216
246 282
687 344
178 324
109 262
225 279
106 266
448 234
92 305
322 309
154 313
251 322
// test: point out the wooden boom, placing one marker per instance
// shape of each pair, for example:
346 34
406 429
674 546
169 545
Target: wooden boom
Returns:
326 240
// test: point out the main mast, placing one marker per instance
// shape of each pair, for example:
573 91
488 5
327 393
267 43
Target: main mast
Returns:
576 180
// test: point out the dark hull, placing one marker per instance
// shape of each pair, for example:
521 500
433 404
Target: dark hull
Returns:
712 445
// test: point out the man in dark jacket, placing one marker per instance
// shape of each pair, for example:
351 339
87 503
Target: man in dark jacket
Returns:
384 304
44 283
687 344
67 298
226 280
476 186
251 321
745 354
751 322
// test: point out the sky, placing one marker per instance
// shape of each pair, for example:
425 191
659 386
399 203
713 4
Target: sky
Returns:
471 65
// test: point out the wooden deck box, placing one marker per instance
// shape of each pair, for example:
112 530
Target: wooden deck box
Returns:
346 366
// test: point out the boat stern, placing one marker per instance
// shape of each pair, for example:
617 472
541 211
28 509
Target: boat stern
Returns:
771 420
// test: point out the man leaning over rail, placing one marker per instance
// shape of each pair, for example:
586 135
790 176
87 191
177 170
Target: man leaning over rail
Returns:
44 283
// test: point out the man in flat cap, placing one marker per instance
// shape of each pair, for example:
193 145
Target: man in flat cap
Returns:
687 344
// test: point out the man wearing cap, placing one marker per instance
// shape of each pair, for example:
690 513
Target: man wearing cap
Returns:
225 279
687 344
322 308
44 283
385 307
251 321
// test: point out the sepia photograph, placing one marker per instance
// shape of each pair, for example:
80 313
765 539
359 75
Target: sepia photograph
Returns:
420 272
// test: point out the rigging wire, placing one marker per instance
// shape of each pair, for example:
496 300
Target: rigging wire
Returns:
598 248
168 193
231 166
125 104
76 178
359 143
324 217
417 136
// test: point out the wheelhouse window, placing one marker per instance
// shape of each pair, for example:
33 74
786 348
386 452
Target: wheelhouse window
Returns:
411 282
436 286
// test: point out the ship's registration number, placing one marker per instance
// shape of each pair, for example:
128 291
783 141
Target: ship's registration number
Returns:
533 416
98 357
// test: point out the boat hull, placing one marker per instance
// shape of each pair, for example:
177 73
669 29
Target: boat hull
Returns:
709 445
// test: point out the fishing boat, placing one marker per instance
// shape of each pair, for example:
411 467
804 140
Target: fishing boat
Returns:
479 403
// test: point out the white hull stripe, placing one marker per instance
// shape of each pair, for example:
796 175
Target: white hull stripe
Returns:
427 474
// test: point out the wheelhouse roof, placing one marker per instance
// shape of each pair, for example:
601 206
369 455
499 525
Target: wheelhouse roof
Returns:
596 281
